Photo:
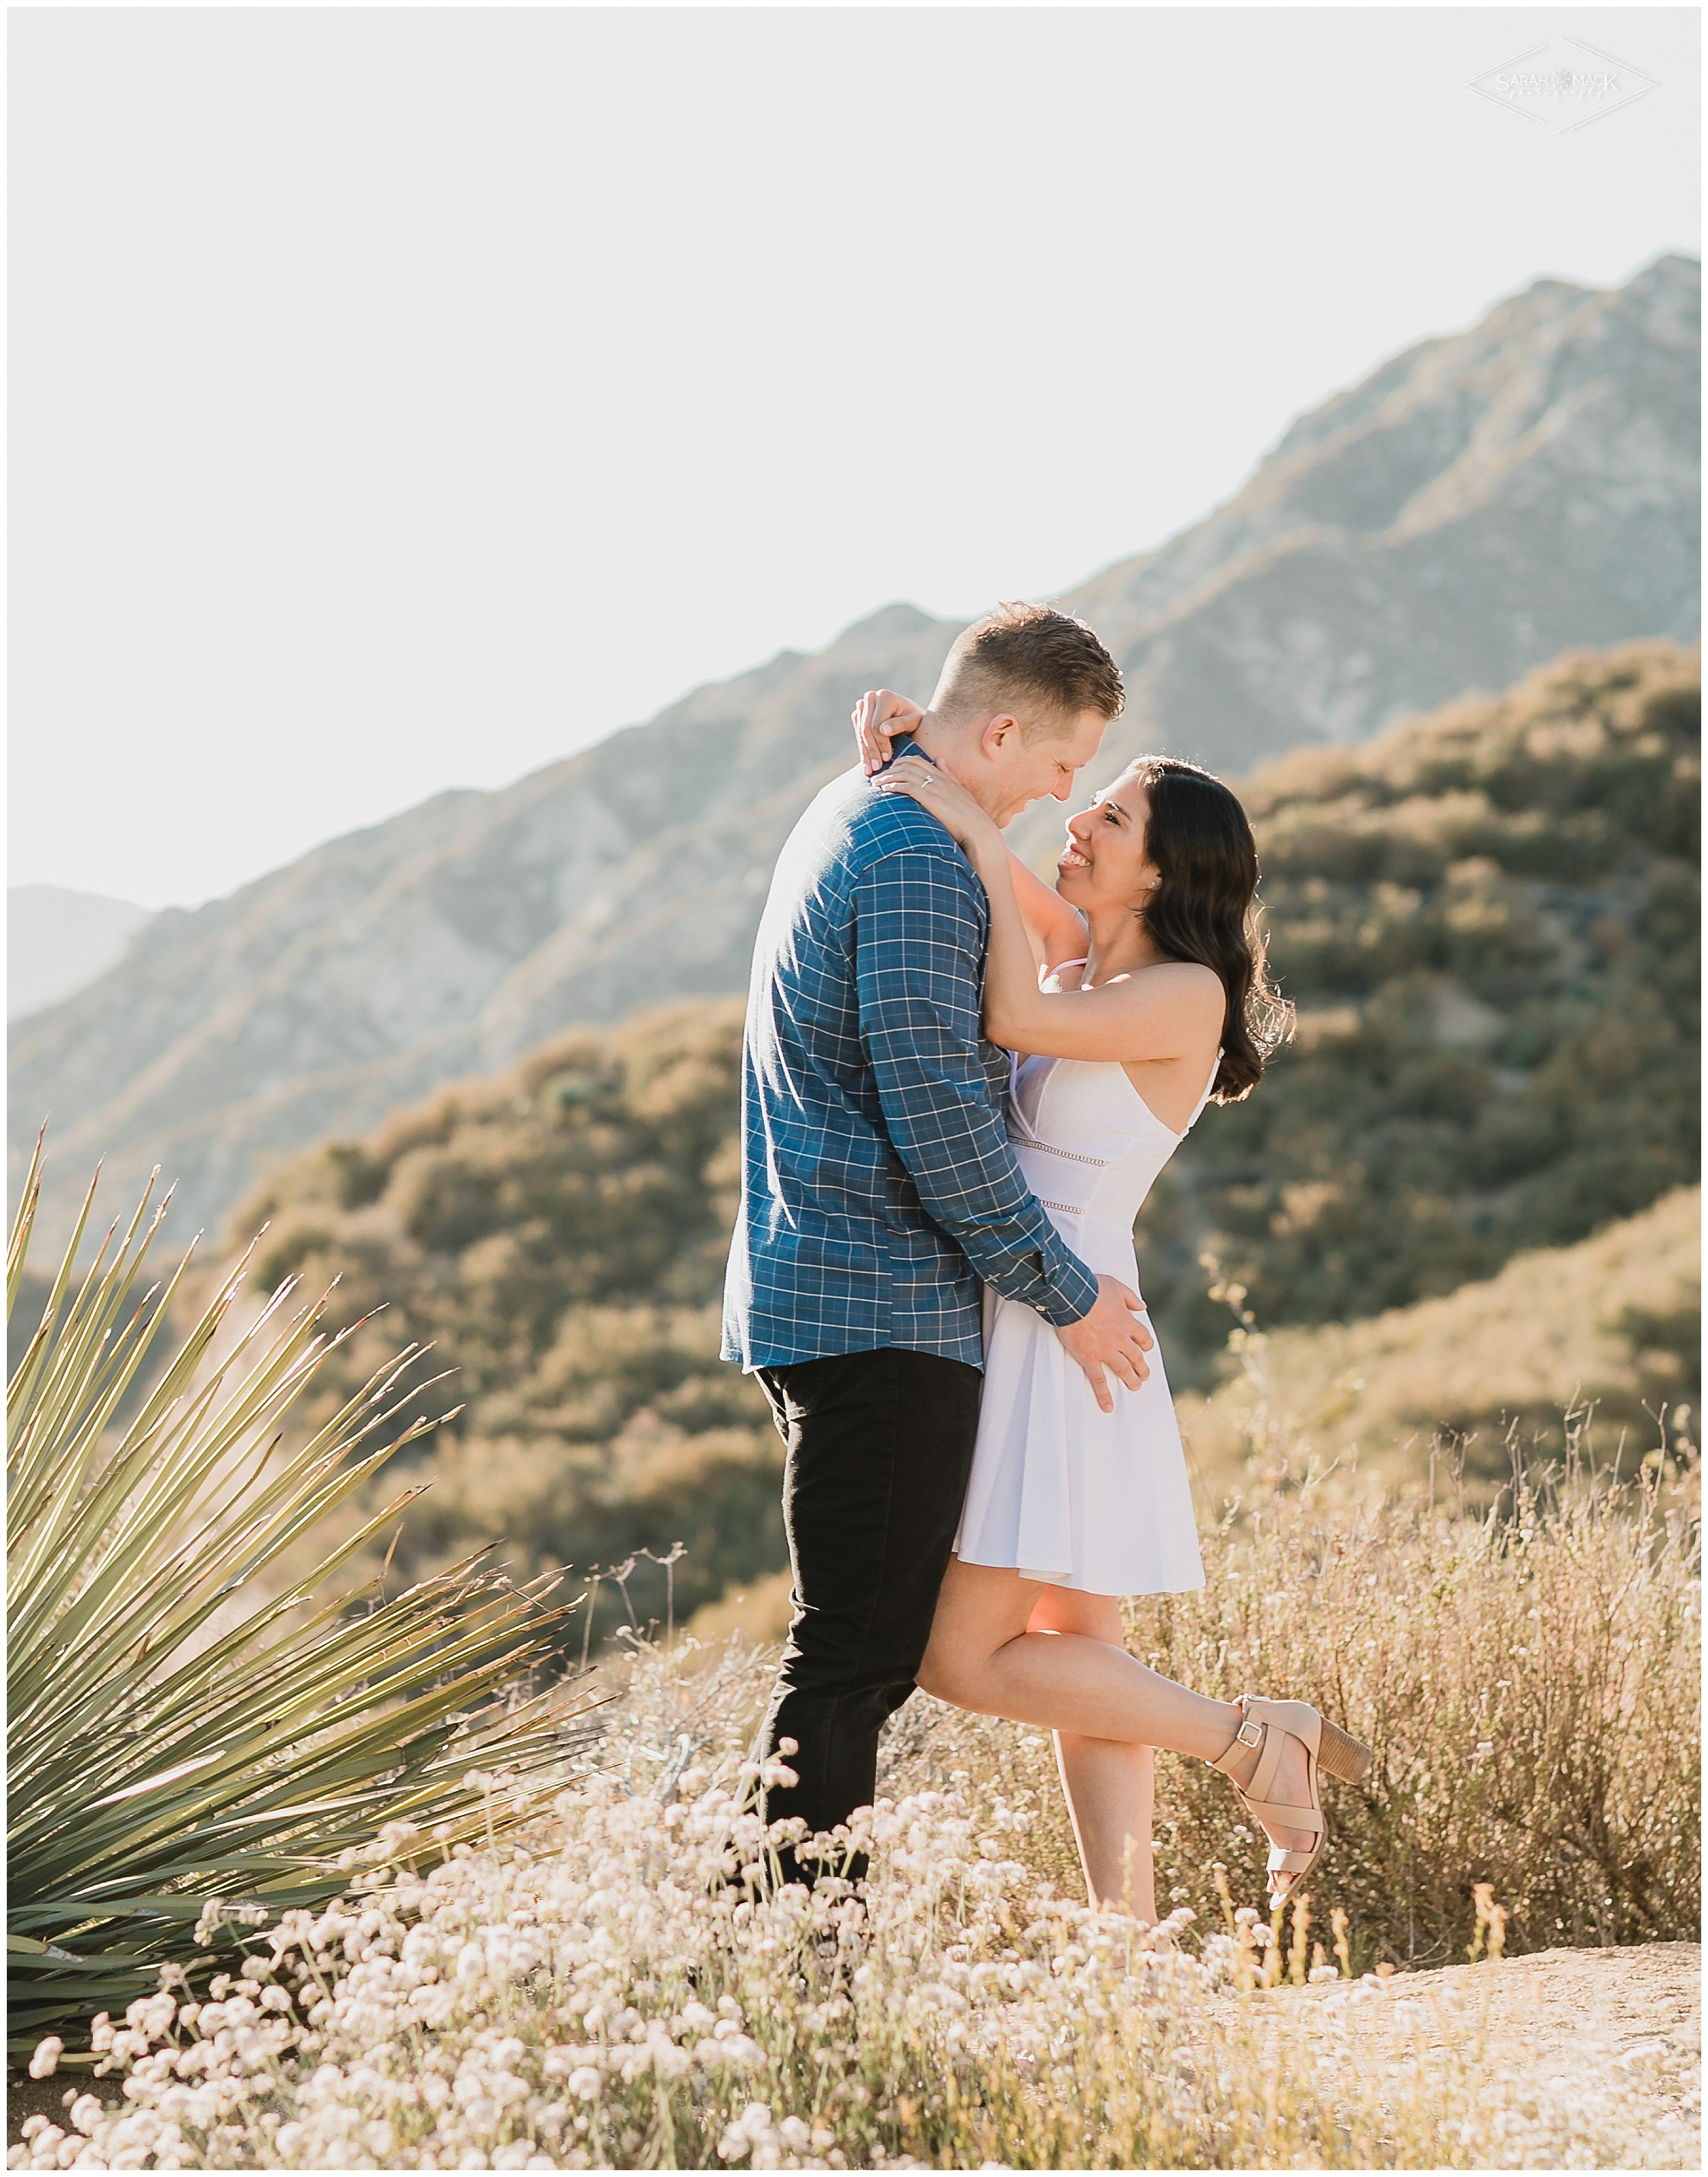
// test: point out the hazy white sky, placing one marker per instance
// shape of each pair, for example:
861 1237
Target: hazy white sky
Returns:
403 399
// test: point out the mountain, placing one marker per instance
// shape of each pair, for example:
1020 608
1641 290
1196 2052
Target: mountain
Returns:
1474 506
452 938
58 940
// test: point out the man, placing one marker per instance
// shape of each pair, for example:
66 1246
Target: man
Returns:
878 1191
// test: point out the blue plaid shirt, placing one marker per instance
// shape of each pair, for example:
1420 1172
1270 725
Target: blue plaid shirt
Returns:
878 1187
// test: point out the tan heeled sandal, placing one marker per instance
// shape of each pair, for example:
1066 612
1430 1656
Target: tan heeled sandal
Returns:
1268 1725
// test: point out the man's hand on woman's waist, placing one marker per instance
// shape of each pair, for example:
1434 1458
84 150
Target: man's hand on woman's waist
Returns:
1110 1337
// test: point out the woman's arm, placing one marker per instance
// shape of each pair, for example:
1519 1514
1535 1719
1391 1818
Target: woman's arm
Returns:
1167 1012
1054 930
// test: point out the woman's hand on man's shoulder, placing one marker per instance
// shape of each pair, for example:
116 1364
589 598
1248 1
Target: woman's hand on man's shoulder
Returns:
879 716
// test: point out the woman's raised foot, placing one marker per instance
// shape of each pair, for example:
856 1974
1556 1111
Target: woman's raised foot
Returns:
1291 1787
1272 1760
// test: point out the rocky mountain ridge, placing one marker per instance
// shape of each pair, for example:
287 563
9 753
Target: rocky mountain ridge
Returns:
1474 506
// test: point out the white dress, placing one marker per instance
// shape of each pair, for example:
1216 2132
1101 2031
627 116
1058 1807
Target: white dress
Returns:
1060 1490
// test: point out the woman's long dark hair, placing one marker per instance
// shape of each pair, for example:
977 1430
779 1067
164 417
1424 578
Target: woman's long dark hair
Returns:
1206 910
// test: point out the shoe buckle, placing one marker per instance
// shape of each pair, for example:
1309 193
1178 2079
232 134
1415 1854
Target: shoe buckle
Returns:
1250 1733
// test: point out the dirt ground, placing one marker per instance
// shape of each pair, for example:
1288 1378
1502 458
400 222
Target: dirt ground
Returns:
1576 2014
24 2096
1559 2002
1596 2018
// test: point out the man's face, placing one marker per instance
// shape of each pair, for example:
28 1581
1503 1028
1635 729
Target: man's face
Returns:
1005 773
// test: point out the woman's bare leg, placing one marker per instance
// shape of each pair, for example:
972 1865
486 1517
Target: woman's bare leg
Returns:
984 1655
981 1657
1110 1783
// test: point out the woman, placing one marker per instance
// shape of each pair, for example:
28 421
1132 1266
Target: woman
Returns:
1137 991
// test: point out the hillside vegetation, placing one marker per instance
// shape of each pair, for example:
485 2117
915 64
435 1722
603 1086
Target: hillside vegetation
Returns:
558 1234
1487 920
1609 1330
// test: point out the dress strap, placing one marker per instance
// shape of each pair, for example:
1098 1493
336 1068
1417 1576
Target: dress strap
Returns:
1045 972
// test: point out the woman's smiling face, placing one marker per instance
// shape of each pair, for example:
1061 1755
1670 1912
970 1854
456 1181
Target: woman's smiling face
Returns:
1104 864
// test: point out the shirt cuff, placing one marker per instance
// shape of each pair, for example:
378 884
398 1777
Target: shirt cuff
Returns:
1072 1296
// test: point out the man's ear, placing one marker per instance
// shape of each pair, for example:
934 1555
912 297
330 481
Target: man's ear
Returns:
1001 729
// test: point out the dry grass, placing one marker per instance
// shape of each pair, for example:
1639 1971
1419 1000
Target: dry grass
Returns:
1529 1679
1528 1674
622 1996
619 1993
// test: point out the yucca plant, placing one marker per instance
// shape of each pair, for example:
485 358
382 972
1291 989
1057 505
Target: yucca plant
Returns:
197 1738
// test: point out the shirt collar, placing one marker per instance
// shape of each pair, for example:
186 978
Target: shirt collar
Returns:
904 744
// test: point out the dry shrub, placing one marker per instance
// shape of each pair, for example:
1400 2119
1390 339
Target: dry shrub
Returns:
1528 1677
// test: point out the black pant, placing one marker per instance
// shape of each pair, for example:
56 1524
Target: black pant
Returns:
880 1449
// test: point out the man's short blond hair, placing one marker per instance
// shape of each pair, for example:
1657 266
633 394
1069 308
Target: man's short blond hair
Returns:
1046 668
